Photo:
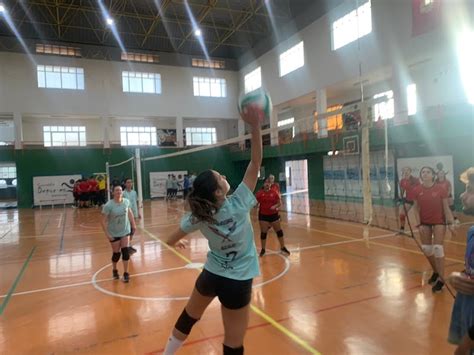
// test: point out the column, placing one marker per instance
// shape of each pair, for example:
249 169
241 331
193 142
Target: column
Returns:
273 126
241 132
105 124
18 130
400 81
179 131
321 107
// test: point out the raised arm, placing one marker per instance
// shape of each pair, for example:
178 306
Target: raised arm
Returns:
251 116
174 239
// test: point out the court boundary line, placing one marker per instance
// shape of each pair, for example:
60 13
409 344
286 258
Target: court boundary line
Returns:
4 304
305 345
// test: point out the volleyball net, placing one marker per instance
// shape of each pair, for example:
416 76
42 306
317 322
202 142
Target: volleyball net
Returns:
340 164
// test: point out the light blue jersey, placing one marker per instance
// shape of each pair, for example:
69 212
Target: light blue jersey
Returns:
132 197
118 224
231 241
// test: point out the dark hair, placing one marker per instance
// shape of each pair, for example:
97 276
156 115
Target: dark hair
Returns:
126 179
429 168
202 201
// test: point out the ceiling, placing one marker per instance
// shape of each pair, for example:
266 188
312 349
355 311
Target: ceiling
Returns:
229 28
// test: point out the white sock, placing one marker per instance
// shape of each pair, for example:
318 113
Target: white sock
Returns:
173 345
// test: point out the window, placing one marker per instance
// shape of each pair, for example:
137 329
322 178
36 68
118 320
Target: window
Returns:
7 172
386 109
210 87
288 121
352 26
292 59
137 136
64 136
140 57
148 83
200 136
253 80
411 99
58 50
333 122
211 63
56 77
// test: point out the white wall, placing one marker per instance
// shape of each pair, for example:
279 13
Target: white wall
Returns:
103 94
389 45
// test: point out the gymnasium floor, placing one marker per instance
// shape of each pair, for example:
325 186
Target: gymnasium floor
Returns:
336 294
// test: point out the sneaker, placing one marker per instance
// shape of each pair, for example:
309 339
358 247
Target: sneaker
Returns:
438 286
402 230
126 277
115 274
433 278
262 252
285 251
132 250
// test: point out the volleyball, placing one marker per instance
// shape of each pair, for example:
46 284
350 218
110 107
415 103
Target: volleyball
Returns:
258 98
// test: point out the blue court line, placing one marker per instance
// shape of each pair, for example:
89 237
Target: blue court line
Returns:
15 283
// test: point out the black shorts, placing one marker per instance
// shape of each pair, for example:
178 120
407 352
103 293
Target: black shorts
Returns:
233 294
84 196
408 201
116 239
269 218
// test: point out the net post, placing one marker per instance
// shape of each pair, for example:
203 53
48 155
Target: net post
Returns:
107 172
138 169
365 154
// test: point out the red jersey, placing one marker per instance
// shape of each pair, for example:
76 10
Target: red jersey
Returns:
267 199
93 185
409 185
446 185
276 187
83 187
430 202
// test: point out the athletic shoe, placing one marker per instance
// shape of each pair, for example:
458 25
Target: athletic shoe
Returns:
285 251
433 278
402 230
262 252
126 277
438 286
132 250
115 274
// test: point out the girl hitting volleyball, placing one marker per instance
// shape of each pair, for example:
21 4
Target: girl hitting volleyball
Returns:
431 206
118 223
461 329
268 216
232 261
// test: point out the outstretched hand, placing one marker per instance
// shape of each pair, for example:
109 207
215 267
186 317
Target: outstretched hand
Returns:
253 115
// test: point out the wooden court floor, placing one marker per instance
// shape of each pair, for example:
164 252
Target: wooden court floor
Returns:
337 293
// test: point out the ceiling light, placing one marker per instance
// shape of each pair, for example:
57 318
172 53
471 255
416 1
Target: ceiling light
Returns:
109 21
198 32
2 8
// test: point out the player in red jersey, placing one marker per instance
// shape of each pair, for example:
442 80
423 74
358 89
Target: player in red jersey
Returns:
274 185
446 184
408 183
268 216
432 208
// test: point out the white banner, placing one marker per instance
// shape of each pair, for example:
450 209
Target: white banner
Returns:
158 182
49 190
444 163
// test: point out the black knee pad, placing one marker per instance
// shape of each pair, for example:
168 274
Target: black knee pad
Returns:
115 257
185 322
263 236
233 351
280 233
125 254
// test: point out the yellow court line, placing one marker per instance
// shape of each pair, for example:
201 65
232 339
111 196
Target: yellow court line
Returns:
370 242
255 309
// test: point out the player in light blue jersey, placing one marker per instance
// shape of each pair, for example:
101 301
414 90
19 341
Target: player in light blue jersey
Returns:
232 261
118 223
132 196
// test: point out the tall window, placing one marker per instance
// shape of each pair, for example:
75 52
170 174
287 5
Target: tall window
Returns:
253 80
292 59
352 26
137 136
288 121
148 83
64 136
385 109
210 87
56 77
411 99
200 136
